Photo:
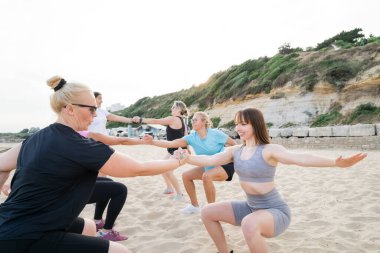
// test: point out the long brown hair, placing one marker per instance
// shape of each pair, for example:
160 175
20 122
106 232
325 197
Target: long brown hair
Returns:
254 117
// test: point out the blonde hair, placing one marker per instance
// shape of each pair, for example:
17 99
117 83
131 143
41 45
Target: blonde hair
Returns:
204 117
182 106
68 93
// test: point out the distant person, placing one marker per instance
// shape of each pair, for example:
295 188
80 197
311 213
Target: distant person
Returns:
205 141
176 129
56 171
264 214
102 116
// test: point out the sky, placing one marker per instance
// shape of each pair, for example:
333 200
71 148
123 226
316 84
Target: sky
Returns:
132 49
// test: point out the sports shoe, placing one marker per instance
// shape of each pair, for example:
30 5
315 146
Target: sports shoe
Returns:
189 209
178 197
168 191
112 235
99 225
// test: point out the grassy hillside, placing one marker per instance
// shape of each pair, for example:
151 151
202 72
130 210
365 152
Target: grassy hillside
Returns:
255 76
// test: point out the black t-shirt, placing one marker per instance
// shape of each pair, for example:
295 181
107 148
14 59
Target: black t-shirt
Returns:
55 176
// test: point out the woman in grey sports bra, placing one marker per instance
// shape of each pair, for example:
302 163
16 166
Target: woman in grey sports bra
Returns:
263 214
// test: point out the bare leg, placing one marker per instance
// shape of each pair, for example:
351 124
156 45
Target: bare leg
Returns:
170 179
212 215
89 228
173 180
117 248
255 227
215 174
188 178
167 181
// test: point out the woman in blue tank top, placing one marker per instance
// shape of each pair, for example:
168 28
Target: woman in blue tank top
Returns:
263 214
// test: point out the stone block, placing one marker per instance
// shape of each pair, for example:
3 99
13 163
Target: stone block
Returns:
273 133
340 131
320 132
301 132
286 132
362 130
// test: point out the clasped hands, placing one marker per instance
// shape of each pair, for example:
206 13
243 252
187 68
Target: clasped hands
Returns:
181 155
136 119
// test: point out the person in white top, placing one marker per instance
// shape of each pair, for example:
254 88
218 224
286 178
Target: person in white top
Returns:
102 116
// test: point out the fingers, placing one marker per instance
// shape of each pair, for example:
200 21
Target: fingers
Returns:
347 162
136 119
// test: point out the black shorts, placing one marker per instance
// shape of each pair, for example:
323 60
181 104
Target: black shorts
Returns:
58 242
230 170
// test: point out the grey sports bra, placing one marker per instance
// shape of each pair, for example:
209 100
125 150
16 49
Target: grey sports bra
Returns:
254 169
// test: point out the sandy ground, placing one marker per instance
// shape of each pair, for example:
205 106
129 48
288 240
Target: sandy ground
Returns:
333 210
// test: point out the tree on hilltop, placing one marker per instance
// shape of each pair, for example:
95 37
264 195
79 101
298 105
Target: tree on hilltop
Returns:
348 37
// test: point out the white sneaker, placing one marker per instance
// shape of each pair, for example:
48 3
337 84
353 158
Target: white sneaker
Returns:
168 191
178 197
189 209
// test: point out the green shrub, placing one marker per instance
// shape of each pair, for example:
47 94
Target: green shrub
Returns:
229 124
338 72
364 113
326 119
349 37
215 121
310 81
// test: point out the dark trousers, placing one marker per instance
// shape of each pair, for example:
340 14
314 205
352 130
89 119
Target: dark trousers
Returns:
107 191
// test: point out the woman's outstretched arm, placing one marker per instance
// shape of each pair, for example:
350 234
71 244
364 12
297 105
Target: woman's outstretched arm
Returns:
121 165
177 143
113 140
282 155
213 160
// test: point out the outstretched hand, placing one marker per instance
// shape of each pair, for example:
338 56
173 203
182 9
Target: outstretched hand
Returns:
181 155
147 139
349 161
136 119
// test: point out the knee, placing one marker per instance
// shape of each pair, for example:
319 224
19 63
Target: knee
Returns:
124 190
206 177
89 227
206 213
249 228
119 189
185 177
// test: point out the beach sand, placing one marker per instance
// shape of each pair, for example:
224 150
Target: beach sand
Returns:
333 210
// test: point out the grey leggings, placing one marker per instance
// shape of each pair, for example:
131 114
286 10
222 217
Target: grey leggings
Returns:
271 202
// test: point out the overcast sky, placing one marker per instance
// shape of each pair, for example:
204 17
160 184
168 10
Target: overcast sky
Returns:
131 49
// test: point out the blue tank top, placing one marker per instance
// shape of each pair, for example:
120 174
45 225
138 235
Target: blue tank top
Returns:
254 169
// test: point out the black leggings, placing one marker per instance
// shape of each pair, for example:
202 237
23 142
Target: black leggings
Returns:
71 241
106 190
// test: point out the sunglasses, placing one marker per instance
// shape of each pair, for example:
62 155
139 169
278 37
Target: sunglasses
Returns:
90 107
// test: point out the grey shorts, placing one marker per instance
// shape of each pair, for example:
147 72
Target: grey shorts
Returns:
271 202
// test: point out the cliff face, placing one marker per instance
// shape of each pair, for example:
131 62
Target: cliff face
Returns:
299 108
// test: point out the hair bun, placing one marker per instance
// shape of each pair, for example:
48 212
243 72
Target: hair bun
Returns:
56 82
